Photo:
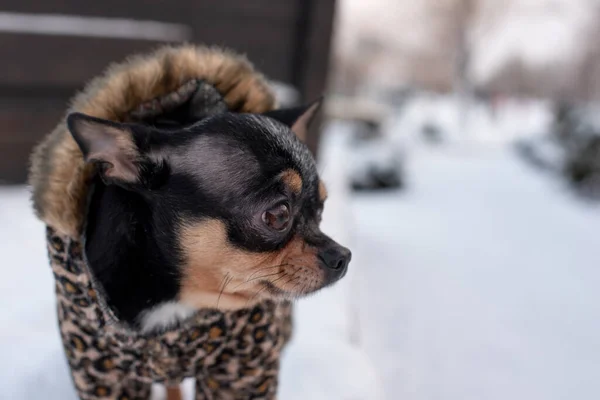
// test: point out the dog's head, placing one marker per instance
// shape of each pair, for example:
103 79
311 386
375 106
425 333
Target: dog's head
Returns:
237 194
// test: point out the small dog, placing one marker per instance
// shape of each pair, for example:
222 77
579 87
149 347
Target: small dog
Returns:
211 215
178 235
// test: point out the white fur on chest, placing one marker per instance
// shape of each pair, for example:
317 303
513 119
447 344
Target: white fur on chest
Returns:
164 316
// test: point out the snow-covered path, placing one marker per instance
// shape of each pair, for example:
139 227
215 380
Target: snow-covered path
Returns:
481 281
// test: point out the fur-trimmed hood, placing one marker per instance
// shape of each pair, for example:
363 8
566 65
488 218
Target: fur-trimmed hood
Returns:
58 175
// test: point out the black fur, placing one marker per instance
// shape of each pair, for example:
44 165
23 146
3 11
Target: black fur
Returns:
225 166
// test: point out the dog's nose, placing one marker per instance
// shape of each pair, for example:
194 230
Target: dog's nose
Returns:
336 258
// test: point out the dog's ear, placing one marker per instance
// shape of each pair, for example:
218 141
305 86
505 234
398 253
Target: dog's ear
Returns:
297 118
109 144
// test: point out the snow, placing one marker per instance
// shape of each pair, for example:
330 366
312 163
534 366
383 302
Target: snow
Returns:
495 124
28 330
479 281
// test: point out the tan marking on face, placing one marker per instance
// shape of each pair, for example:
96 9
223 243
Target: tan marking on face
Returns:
218 275
322 191
293 180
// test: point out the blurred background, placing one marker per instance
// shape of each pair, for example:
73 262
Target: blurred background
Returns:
460 141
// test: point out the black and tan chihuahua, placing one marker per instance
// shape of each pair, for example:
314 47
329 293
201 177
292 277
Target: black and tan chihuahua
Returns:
218 213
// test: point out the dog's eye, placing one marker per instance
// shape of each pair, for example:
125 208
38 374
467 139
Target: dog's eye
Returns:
278 217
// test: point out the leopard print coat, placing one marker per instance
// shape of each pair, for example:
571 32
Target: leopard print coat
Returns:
232 355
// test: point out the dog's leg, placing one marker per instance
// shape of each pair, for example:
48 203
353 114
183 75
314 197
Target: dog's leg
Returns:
173 393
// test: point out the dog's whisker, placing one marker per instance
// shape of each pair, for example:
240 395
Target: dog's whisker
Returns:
264 268
226 281
253 274
257 278
253 277
283 276
255 295
289 280
293 292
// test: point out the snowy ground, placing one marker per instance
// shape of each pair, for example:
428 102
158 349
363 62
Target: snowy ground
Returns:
480 281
